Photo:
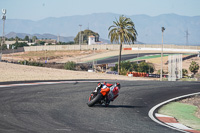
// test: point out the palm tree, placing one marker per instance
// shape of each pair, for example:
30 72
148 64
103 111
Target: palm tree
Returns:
123 31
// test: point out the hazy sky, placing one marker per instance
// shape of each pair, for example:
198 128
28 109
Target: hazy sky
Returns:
39 9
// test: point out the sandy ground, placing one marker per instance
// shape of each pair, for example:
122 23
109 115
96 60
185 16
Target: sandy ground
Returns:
15 72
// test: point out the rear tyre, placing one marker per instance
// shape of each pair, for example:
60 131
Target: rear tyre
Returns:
92 102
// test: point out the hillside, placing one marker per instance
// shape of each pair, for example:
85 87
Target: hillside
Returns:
148 28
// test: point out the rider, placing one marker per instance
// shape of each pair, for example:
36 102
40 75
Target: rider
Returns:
113 93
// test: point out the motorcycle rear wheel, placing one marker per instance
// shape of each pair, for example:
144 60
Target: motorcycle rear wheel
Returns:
93 101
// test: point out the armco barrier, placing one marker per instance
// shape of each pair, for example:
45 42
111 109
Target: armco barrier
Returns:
127 48
141 74
138 74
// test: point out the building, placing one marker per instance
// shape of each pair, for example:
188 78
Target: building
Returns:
8 43
92 40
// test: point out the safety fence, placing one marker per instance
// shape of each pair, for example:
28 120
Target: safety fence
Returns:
143 74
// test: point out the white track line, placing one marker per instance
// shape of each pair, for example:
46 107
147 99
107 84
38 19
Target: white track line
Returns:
44 83
151 112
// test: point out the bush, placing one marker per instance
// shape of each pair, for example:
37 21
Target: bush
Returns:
158 72
25 62
127 66
70 65
145 67
35 64
184 72
194 67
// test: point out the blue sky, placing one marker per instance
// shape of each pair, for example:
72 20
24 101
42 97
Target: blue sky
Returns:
40 9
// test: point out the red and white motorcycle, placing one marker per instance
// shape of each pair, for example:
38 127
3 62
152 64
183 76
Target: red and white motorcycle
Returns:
103 94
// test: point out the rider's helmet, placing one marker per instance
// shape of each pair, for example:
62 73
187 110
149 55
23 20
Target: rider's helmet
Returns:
118 85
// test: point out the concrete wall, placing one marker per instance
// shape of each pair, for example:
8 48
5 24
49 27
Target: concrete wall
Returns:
111 47
71 47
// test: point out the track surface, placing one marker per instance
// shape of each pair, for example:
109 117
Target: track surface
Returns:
62 108
123 57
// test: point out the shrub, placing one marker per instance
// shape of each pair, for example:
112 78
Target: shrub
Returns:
184 72
127 66
158 72
123 71
25 62
70 65
35 64
194 67
145 67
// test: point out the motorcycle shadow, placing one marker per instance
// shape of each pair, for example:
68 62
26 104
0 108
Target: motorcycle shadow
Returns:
118 106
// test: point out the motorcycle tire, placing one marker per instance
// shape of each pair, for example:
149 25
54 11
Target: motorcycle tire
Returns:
95 100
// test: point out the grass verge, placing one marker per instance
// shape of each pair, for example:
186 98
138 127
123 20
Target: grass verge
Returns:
184 113
188 79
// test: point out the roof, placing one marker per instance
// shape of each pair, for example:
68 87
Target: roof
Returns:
91 36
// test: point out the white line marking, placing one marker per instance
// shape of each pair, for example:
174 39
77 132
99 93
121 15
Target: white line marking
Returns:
160 115
179 125
44 83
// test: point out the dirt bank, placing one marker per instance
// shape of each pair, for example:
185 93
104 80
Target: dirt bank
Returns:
15 72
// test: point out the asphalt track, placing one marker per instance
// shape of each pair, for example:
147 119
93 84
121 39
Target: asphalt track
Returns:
61 108
114 59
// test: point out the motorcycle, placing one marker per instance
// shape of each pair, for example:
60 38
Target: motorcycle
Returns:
98 96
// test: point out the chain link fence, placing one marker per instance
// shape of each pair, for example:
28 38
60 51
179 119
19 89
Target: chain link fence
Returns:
174 67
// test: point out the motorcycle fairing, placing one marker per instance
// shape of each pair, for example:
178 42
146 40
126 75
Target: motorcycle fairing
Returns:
105 91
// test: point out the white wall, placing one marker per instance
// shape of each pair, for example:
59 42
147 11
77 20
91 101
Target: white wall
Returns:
91 40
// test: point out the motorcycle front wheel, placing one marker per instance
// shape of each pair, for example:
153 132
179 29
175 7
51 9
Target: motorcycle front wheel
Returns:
93 101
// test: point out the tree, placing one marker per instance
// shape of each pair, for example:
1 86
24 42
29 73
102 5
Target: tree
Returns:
194 67
4 47
17 39
34 38
123 31
26 38
145 67
84 36
17 44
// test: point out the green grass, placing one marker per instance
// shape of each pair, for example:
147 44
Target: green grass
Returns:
184 113
147 57
188 79
139 58
152 56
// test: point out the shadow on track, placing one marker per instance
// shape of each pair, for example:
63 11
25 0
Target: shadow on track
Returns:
118 106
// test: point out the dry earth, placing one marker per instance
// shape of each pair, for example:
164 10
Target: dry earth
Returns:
15 72
193 101
83 56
